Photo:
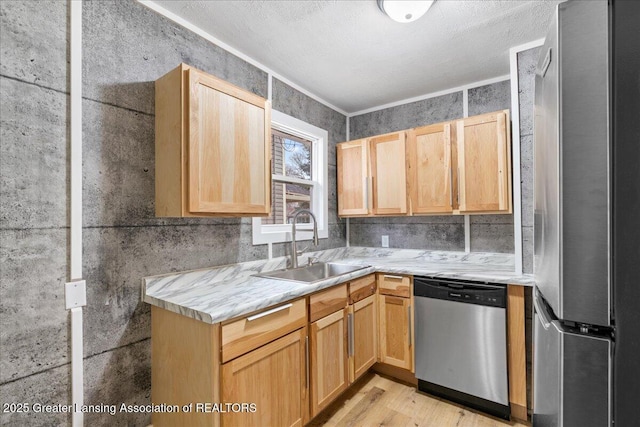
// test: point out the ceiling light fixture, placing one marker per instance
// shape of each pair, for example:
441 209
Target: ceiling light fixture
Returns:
404 10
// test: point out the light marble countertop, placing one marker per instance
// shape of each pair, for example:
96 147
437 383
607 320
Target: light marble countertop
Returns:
221 293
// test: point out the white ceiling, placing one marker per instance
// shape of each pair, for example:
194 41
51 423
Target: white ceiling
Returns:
353 56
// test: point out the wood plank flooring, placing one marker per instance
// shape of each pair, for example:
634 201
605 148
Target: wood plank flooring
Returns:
378 401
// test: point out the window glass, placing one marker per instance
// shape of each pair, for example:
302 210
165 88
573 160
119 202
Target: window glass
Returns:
292 157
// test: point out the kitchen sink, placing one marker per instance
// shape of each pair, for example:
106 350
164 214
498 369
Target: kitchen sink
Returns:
312 273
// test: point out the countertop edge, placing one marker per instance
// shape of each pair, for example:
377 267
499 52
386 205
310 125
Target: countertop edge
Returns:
302 290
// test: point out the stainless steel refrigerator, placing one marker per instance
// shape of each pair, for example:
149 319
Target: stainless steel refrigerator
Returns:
586 364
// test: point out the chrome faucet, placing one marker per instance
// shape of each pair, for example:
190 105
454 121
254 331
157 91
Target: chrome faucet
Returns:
294 248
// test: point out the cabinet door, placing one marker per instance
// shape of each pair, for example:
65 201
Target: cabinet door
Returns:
430 174
396 338
273 377
363 337
484 163
388 174
353 173
329 375
229 151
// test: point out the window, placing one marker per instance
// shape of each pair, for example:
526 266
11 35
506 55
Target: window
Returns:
292 173
299 179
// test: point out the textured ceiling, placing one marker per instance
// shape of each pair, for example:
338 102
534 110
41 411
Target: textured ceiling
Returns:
354 57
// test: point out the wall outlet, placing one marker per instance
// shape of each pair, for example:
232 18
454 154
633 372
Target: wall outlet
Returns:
385 241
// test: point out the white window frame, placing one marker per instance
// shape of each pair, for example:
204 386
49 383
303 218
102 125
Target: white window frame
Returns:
278 233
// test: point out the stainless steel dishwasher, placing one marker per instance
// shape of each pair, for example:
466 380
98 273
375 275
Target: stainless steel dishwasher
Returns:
461 342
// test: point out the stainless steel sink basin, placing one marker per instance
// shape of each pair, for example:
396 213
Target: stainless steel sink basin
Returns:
312 273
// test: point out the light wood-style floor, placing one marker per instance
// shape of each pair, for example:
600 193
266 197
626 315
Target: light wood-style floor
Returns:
378 401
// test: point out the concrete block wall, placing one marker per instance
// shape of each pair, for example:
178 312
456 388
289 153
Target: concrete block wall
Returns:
34 89
126 47
527 61
489 233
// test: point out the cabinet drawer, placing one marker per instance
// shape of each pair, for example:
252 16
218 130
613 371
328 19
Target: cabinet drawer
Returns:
361 288
327 302
394 284
250 332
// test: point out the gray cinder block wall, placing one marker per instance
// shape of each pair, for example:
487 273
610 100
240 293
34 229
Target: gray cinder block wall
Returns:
527 61
126 47
34 93
489 233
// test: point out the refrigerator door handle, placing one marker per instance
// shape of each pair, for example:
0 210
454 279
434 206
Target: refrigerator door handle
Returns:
543 316
542 313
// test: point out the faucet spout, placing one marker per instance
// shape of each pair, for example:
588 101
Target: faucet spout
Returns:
294 248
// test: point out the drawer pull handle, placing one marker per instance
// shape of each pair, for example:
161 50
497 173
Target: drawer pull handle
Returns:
268 312
389 276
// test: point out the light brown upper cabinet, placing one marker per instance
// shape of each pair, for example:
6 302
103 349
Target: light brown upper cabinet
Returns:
353 178
430 174
484 163
372 176
459 167
388 174
212 147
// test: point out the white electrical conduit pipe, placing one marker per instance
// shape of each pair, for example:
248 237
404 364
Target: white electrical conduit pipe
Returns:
75 289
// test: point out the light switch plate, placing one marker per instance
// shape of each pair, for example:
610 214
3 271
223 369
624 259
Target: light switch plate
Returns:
75 294
385 241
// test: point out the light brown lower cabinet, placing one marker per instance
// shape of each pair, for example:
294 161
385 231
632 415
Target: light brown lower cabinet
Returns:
328 359
396 331
185 368
363 337
292 370
274 378
516 337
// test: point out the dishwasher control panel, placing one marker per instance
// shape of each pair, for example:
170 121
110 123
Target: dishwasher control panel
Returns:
492 295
